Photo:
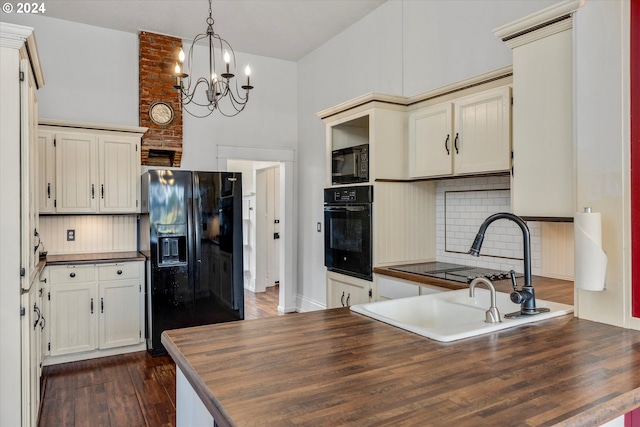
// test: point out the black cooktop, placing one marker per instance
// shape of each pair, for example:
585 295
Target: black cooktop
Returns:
454 272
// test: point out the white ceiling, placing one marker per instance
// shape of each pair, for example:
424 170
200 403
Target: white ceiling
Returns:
284 29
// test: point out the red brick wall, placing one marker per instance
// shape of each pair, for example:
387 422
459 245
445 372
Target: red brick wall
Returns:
158 56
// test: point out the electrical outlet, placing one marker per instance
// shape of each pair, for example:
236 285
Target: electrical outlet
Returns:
71 235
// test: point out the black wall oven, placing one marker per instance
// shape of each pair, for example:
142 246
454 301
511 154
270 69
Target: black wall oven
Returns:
348 230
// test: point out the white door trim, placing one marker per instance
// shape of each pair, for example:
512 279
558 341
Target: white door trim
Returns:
288 250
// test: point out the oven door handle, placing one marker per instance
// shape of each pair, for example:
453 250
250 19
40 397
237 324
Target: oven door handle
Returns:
345 209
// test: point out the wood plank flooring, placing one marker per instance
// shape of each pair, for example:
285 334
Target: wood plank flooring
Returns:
128 390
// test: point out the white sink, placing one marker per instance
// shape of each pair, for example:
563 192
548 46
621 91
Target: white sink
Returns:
453 315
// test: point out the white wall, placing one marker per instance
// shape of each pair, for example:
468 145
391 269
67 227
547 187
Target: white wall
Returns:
91 75
89 71
602 149
401 48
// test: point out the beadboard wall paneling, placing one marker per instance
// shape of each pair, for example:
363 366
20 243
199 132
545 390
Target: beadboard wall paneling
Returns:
404 222
557 248
93 233
461 207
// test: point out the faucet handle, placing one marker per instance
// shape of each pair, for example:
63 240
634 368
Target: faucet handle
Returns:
512 273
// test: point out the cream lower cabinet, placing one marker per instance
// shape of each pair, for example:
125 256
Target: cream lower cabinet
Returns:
394 288
94 307
120 290
345 291
466 136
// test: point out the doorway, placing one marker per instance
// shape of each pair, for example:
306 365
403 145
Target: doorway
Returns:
277 166
267 245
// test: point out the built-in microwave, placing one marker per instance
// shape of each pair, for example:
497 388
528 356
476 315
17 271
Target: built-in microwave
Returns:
350 165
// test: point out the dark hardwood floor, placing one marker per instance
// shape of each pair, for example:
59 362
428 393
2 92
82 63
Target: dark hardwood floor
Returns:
127 390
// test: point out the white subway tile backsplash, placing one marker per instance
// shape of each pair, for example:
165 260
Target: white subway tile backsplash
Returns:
461 207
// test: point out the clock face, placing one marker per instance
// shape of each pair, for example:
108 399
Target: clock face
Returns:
161 113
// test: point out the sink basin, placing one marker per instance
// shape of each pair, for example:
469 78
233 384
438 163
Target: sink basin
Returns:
453 315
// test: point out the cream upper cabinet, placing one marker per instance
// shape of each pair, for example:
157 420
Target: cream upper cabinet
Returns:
466 136
430 141
377 120
76 173
96 170
47 173
119 174
482 132
543 154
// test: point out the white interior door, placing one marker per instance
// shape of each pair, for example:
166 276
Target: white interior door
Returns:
267 227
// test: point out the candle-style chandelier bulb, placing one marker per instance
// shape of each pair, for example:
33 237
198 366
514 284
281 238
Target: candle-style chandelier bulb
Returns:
217 93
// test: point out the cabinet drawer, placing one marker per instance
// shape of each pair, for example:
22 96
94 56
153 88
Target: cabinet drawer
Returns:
124 270
72 274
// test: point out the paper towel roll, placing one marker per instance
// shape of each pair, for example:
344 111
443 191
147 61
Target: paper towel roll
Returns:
590 259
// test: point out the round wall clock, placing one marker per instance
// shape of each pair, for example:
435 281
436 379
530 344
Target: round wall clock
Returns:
161 113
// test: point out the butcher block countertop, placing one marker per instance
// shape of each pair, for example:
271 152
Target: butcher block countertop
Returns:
93 258
335 367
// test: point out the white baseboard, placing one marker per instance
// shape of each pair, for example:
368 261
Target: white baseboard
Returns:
74 357
307 304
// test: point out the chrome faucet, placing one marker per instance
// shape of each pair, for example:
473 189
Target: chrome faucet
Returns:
525 297
492 315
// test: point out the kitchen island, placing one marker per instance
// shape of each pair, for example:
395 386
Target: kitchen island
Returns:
336 367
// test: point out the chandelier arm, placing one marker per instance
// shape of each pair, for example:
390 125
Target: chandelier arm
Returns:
209 112
190 96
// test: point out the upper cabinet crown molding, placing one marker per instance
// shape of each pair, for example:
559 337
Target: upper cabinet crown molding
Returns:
543 23
400 101
23 38
93 126
489 80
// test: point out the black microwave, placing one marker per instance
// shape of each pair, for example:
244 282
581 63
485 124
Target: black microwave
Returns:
350 165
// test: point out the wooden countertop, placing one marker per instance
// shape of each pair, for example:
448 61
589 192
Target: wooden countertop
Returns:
335 367
545 288
90 258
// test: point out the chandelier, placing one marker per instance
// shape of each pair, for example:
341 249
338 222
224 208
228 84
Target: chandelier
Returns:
217 91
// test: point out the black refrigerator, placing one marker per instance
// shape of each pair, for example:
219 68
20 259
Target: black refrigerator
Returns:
190 230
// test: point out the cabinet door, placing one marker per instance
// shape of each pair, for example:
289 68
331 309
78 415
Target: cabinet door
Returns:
72 318
47 172
482 140
76 173
119 308
543 156
119 165
431 141
344 291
